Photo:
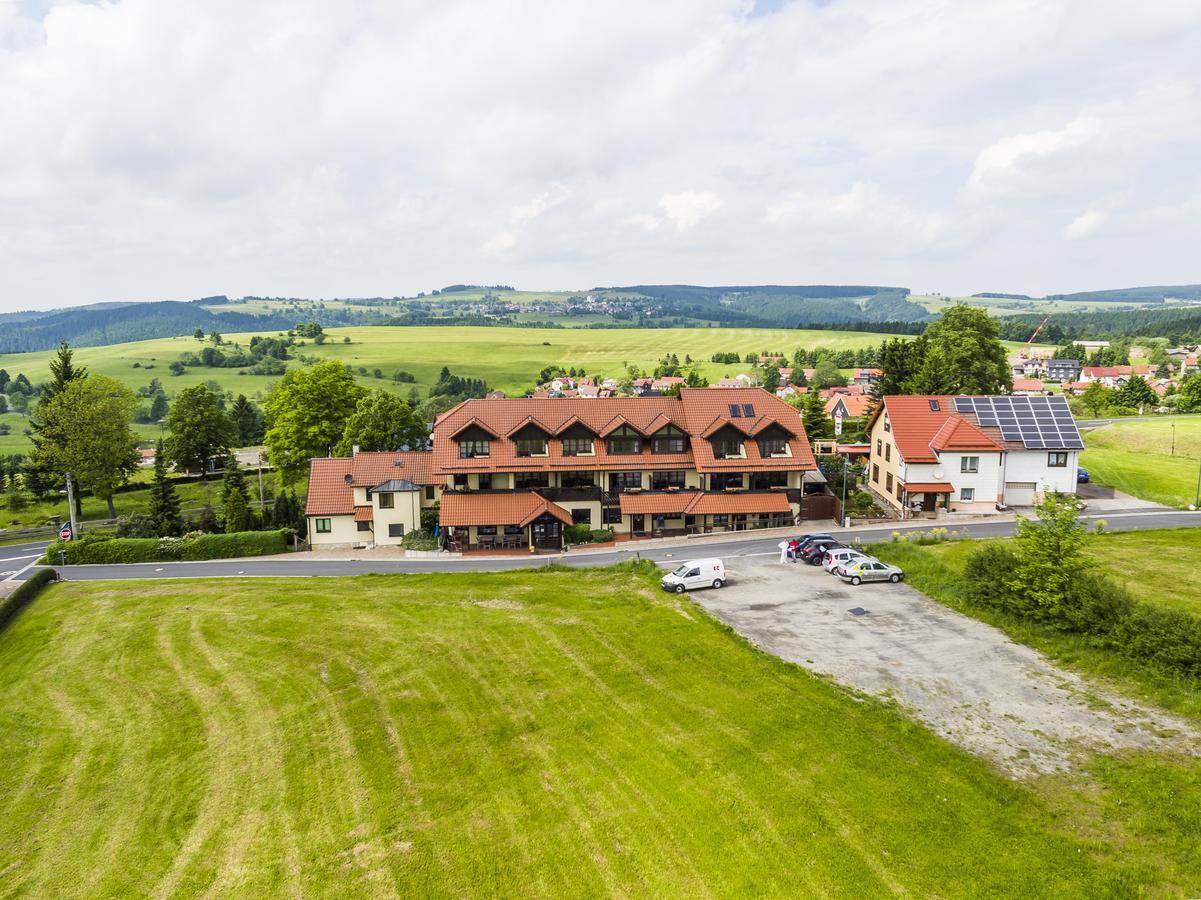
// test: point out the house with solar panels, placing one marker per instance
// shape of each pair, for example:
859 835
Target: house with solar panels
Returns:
937 455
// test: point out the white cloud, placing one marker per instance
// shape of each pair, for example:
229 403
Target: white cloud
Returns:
1085 224
153 149
687 208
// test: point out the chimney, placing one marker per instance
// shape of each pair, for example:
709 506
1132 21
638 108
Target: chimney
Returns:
354 451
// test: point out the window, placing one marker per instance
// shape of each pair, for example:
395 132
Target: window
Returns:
576 479
887 452
969 464
625 445
721 520
748 410
967 493
486 530
727 448
485 481
661 481
724 481
611 515
763 481
460 480
934 407
879 447
735 411
888 482
887 424
900 491
669 440
577 447
581 517
363 526
324 526
472 449
620 481
528 480
429 492
773 447
875 473
386 500
1057 460
531 447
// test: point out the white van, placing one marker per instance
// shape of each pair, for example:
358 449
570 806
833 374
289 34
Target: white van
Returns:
696 573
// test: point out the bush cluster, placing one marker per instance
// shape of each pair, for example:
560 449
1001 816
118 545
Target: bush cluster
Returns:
24 595
1096 606
104 549
586 534
419 540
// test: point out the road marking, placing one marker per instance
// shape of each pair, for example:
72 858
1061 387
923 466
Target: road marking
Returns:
15 558
19 572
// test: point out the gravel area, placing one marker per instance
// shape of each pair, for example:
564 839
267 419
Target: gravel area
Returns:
964 679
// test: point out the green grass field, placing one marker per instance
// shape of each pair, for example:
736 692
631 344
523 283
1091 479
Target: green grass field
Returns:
1137 457
553 733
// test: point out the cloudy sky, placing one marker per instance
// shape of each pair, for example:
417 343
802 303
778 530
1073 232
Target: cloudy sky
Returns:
178 148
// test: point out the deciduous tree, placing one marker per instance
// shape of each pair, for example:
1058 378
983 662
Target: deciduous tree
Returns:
200 429
307 412
963 355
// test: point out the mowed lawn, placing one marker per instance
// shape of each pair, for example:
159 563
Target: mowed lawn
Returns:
1137 457
549 733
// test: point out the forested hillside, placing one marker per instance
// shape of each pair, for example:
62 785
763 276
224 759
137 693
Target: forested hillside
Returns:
1177 325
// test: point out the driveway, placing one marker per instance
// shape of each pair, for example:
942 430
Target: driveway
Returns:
1100 498
964 679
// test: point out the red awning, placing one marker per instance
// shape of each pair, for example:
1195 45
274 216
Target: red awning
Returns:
363 514
929 487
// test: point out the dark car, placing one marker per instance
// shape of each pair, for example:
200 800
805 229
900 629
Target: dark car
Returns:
815 551
1082 475
804 540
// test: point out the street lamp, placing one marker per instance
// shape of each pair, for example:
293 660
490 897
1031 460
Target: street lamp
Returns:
70 492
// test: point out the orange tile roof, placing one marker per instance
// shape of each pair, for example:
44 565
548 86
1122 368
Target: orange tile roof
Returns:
650 504
417 466
329 492
695 411
1028 384
363 514
855 405
515 508
957 434
929 487
724 504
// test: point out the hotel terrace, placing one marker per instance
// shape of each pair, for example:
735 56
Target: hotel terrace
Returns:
513 473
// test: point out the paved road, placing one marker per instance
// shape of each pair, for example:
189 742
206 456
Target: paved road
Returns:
15 558
738 546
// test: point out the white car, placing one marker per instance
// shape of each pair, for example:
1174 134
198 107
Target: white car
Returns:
695 573
841 556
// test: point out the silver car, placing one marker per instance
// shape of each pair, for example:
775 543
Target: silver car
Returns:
860 570
841 556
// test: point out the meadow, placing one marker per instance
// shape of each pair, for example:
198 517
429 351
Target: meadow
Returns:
550 733
1155 459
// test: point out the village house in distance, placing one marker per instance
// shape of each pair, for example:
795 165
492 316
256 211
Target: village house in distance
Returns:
513 473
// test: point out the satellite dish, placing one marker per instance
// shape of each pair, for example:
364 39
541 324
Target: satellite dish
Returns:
938 473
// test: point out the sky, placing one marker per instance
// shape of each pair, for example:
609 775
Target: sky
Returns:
171 149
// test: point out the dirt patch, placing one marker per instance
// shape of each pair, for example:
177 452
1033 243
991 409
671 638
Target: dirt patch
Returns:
964 679
498 604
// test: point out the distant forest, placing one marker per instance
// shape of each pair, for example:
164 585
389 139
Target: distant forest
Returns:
1177 326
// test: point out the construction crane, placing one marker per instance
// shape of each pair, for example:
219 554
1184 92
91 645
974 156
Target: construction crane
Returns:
1026 349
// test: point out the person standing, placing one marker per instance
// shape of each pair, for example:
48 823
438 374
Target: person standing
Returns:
793 546
783 551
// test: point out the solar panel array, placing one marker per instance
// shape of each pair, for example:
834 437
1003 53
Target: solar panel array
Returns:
1040 423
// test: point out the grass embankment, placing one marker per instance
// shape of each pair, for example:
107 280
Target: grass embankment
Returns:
1157 567
542 733
1137 458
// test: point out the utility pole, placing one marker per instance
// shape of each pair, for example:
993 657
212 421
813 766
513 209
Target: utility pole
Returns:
1197 498
71 507
262 504
845 465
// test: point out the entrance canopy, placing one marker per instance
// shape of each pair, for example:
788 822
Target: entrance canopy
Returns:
929 487
518 508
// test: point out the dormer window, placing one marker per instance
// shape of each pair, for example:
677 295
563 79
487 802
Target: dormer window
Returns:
774 447
578 447
669 440
531 446
625 441
727 448
472 449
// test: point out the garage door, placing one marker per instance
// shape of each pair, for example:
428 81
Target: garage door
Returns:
1019 493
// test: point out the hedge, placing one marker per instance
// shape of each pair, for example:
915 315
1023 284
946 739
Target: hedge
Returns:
584 533
102 550
24 595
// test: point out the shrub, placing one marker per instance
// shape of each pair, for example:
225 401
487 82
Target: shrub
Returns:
102 550
578 534
601 535
429 519
1168 639
419 540
986 577
136 525
24 595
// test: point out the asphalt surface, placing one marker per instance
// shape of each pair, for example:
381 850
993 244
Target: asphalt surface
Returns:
1100 423
750 545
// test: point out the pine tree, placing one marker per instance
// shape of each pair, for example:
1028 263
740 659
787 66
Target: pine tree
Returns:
63 371
234 480
164 502
237 513
818 425
14 498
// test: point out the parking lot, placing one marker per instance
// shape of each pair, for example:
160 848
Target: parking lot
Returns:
966 680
